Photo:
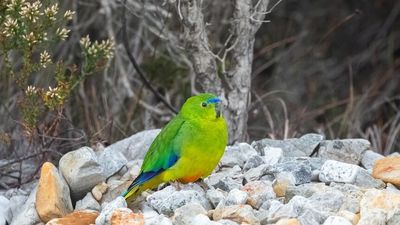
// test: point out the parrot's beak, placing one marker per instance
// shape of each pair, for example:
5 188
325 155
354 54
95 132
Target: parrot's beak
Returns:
218 109
217 104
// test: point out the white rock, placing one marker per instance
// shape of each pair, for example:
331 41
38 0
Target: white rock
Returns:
135 146
227 222
5 211
349 216
107 210
394 218
185 214
376 217
27 215
151 217
88 202
368 159
202 219
346 150
272 155
215 196
392 188
18 201
82 171
336 220
377 206
236 197
335 171
237 155
167 200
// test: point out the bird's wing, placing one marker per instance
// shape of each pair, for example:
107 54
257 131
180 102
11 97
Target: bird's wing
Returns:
163 152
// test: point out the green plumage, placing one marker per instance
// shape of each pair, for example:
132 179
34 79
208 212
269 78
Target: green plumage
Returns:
188 148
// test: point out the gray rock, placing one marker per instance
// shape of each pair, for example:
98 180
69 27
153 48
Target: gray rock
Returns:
253 162
226 180
237 155
135 146
312 216
315 163
299 207
330 201
337 220
27 215
272 155
353 196
167 200
305 190
335 171
256 173
185 215
294 147
262 216
364 179
82 171
347 150
215 196
112 161
88 202
108 209
258 192
5 211
368 159
301 171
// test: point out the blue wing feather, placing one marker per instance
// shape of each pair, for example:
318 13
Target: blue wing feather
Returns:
145 176
163 154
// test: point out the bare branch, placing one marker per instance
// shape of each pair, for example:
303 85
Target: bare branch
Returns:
195 35
137 67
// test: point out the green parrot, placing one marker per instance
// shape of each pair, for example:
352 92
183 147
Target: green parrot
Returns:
188 148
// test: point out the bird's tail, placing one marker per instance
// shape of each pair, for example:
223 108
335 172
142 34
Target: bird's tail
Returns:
131 193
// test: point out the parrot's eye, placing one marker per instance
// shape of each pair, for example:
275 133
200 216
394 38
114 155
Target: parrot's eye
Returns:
204 104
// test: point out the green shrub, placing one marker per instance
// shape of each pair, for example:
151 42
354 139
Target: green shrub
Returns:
27 31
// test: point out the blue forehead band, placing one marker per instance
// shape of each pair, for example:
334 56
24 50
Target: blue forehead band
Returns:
213 100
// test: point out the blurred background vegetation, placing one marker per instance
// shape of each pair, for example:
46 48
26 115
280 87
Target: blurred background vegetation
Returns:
327 67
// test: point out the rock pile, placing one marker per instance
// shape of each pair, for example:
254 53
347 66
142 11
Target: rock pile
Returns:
267 182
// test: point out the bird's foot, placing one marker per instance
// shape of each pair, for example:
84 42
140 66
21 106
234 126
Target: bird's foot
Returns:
177 185
203 184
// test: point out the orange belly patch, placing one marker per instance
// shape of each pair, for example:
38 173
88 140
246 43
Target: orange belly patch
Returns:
189 179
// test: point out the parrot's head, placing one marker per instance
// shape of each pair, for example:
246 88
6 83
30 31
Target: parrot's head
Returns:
203 106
